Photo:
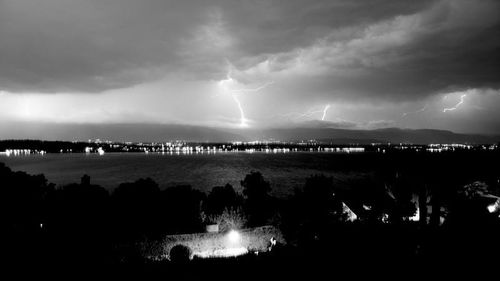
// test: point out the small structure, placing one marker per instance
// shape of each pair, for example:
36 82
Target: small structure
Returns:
212 228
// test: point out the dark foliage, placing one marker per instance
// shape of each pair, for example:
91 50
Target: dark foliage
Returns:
23 198
312 209
258 203
83 224
78 221
136 208
181 207
180 254
221 198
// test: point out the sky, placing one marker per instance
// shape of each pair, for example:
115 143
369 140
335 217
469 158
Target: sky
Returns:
251 64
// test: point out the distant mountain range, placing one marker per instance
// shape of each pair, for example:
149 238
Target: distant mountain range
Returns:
160 132
392 135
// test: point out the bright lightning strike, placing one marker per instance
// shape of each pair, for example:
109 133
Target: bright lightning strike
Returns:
324 112
230 85
462 97
243 120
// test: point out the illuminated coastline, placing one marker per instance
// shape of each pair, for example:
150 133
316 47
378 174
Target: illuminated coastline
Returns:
16 148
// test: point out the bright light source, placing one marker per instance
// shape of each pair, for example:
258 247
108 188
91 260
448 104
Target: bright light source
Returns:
234 237
494 207
416 216
491 208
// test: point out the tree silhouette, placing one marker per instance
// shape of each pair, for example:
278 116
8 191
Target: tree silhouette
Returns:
255 186
23 211
319 204
137 207
258 205
221 198
180 254
80 212
23 199
181 209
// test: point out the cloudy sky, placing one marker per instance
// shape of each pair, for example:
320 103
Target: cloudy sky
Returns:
251 64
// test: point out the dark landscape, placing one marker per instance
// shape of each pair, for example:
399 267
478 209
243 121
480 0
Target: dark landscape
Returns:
414 211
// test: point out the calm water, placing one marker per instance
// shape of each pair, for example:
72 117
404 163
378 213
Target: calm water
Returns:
202 171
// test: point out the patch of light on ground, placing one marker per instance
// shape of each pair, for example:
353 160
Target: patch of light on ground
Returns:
223 253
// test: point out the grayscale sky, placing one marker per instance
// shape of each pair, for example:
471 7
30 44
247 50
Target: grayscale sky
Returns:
251 64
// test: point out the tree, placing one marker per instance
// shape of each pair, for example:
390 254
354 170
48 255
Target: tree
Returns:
255 186
220 199
181 209
233 218
23 211
80 212
320 204
180 254
137 207
23 198
258 205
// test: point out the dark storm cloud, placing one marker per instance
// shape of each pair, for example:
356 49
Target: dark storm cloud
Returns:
266 27
91 46
393 50
449 46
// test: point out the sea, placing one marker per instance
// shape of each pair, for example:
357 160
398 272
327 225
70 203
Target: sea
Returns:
284 171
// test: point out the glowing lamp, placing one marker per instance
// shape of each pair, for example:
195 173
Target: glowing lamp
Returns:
234 237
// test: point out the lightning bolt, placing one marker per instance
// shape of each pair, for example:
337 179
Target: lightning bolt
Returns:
415 112
243 120
256 89
324 112
462 97
307 114
228 86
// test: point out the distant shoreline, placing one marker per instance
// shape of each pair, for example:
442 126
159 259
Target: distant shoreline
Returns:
21 147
